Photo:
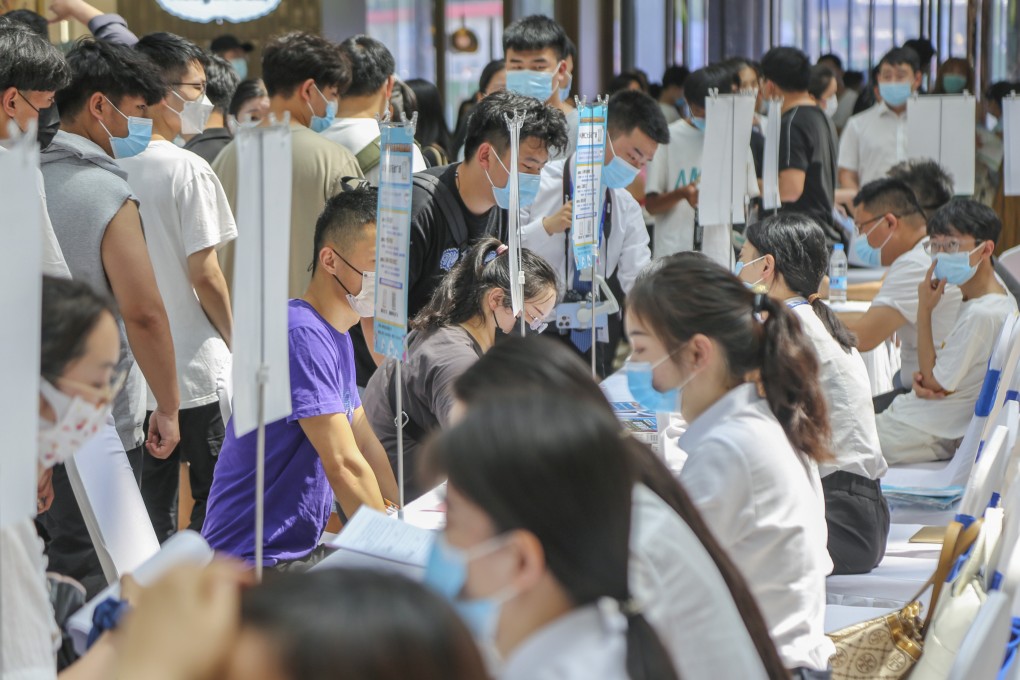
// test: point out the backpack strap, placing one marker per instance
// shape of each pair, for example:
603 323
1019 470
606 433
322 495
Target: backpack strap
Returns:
368 158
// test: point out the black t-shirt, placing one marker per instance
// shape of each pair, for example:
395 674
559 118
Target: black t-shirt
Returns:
806 143
209 144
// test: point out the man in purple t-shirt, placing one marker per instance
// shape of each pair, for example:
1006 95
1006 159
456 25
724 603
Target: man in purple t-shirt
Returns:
326 447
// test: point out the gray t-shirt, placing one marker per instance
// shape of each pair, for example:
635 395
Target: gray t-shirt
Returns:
84 190
436 359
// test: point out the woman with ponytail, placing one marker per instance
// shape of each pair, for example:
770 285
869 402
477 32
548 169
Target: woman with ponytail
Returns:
746 380
787 256
471 304
535 550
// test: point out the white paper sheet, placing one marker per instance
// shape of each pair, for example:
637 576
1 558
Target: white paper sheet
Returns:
770 173
514 124
942 128
21 279
260 274
1011 144
723 188
374 540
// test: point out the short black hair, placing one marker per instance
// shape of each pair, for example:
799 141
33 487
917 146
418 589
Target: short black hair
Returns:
489 72
901 55
371 64
675 75
834 58
221 82
931 183
293 58
28 62
533 33
853 79
621 82
249 89
922 47
629 110
70 312
787 67
713 77
821 77
114 70
35 21
344 218
888 195
967 217
998 91
172 54
487 122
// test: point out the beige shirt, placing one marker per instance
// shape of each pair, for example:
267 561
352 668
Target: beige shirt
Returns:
318 167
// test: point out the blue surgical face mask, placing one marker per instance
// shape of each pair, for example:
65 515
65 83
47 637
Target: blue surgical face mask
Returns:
240 65
869 255
640 382
955 268
320 123
565 91
138 137
527 187
699 123
894 94
537 84
618 174
739 267
954 83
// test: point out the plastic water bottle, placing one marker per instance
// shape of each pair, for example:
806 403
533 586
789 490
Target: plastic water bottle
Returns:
837 274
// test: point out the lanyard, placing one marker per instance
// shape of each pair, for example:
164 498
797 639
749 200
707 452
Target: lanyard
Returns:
795 302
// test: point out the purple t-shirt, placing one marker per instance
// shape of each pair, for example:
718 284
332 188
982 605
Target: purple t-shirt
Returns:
298 495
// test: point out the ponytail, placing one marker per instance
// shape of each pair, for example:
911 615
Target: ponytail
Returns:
837 329
647 657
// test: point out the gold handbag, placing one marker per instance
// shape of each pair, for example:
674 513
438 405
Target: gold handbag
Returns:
887 647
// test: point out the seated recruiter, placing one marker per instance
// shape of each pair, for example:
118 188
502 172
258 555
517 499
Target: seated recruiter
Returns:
693 595
326 446
675 172
636 128
750 390
451 333
535 554
892 232
928 423
786 256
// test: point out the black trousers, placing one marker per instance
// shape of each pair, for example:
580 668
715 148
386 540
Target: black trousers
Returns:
202 432
882 401
858 518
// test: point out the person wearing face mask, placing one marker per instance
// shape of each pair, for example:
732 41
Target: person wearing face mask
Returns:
675 173
822 88
635 129
534 555
220 86
234 51
892 232
326 446
31 71
955 76
786 255
671 98
875 140
743 375
467 312
368 96
304 75
536 49
96 219
928 423
187 219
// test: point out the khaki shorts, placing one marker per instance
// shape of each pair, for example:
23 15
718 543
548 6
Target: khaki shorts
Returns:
902 443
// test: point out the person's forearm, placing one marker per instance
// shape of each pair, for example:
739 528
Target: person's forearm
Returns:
355 484
82 11
149 337
379 461
926 349
98 663
656 204
849 180
214 297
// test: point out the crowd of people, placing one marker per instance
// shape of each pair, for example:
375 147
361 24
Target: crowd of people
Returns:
570 549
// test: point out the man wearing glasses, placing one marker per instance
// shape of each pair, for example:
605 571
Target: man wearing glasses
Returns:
928 423
892 232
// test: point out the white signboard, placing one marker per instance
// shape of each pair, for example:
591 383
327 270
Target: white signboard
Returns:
723 188
1011 144
204 11
942 128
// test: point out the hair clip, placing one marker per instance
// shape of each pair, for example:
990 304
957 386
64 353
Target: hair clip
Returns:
493 254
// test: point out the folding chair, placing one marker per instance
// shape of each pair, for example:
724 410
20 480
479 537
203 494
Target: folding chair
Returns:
982 650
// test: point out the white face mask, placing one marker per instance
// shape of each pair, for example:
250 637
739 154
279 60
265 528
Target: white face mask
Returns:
77 422
831 104
364 302
194 114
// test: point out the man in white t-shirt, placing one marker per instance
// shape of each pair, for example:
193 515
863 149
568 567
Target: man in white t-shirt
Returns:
892 232
928 423
356 127
187 218
673 177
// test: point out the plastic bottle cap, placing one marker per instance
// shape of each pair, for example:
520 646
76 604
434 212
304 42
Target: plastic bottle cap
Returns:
838 246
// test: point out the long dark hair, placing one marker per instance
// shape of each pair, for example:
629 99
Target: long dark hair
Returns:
70 311
564 475
798 245
461 293
532 364
431 117
688 294
372 624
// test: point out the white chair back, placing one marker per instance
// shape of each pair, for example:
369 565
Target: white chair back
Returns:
1010 261
982 650
986 478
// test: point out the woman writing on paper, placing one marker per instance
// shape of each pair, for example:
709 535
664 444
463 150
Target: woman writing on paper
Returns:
469 307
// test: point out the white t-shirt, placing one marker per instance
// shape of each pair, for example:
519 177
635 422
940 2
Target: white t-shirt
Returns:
357 133
847 390
53 263
184 210
899 291
764 503
872 142
676 165
960 365
670 112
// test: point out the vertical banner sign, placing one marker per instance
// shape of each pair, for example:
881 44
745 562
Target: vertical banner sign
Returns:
21 277
514 124
942 128
728 120
770 173
393 238
1011 144
588 193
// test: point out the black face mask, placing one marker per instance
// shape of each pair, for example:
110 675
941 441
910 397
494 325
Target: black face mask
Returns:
49 123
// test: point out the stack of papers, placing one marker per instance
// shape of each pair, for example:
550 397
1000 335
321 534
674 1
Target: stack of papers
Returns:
374 540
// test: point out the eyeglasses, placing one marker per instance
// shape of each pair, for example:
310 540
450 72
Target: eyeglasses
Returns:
198 86
947 247
101 394
860 226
